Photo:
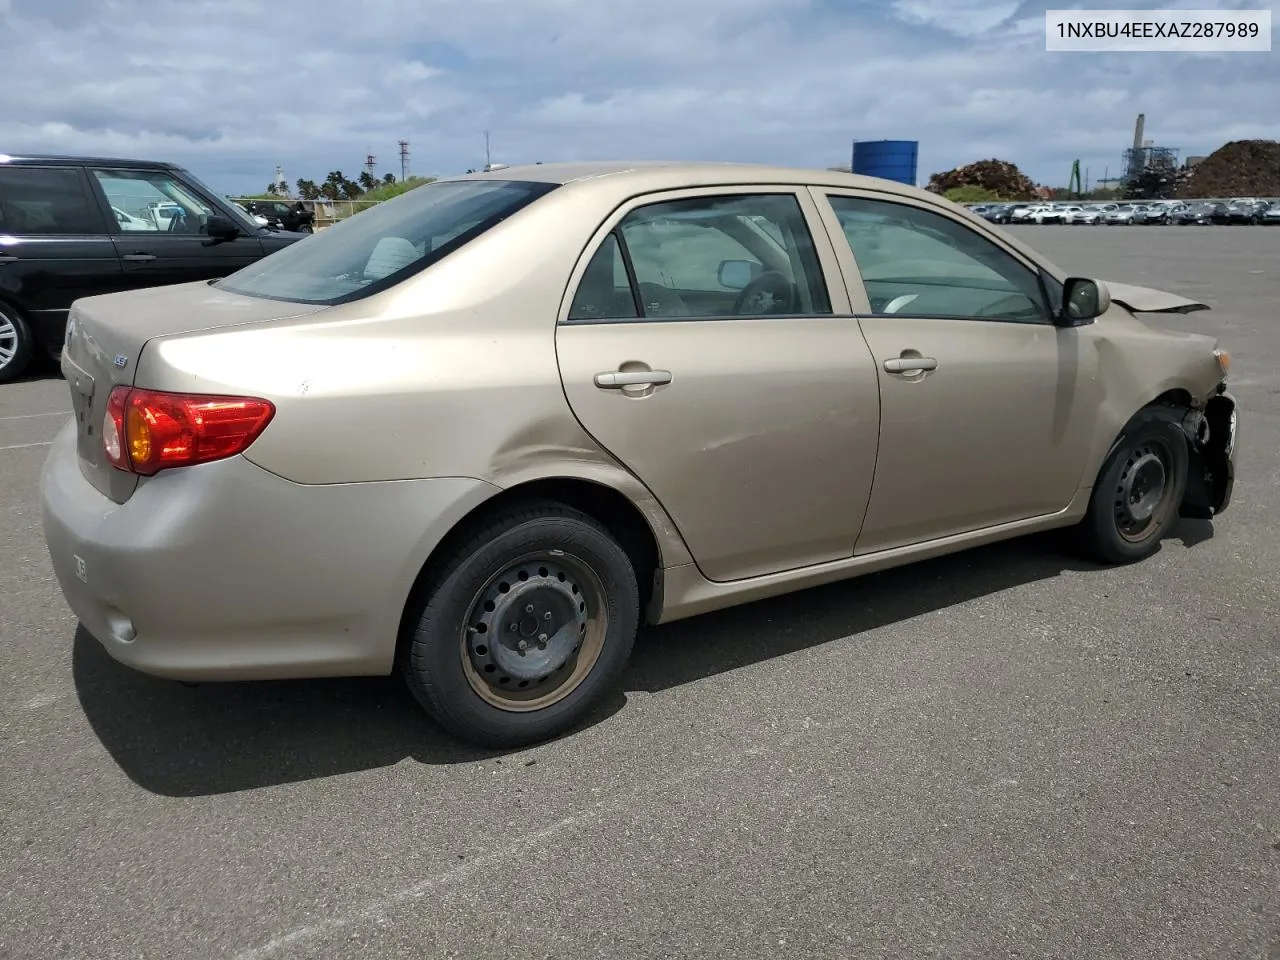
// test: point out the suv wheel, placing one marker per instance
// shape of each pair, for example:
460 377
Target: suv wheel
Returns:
15 344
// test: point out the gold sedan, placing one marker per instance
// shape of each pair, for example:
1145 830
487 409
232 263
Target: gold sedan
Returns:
483 431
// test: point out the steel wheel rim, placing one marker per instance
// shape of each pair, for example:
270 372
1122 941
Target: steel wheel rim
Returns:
1141 500
563 634
8 340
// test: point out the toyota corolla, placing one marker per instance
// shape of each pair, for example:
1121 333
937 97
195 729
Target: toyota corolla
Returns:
482 432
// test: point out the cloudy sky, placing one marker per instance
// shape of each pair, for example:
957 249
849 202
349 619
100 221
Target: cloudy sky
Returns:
231 88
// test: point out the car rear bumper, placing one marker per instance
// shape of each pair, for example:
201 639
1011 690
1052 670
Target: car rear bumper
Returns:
227 572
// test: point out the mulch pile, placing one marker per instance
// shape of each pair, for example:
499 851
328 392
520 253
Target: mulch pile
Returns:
1241 168
998 176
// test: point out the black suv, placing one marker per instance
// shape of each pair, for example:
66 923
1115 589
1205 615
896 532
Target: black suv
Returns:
73 227
280 213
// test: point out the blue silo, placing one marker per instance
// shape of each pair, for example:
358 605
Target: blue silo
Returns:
887 159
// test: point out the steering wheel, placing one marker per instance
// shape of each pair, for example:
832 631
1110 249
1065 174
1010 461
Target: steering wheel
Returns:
769 293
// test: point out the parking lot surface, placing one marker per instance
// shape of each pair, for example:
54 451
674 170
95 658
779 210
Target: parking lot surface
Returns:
1004 753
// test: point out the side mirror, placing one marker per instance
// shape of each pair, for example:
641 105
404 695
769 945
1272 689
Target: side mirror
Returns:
1083 300
736 274
219 227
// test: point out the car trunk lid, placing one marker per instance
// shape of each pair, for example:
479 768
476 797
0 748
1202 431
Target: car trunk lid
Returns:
1147 300
105 336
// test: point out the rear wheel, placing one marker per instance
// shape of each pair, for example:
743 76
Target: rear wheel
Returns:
1139 491
15 344
525 627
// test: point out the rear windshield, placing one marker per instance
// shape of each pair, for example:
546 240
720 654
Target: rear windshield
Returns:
381 246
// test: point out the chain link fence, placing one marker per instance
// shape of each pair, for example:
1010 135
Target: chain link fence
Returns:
327 212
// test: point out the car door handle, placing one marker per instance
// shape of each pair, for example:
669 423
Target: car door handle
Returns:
6 258
616 379
910 364
139 257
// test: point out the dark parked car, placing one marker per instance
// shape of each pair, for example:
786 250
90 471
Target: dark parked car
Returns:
999 213
281 214
73 227
1200 214
1249 212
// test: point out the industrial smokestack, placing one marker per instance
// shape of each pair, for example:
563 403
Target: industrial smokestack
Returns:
1137 131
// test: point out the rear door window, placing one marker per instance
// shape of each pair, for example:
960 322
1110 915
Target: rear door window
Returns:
47 201
385 244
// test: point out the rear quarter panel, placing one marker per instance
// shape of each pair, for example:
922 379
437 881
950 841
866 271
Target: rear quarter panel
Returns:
450 374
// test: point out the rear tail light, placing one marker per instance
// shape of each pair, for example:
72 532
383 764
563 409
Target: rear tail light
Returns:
146 431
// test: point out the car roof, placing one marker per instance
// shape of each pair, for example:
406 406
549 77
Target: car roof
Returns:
62 160
647 175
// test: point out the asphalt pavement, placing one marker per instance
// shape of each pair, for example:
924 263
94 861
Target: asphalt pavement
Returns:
1005 753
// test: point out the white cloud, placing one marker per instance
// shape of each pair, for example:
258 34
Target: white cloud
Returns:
233 87
965 18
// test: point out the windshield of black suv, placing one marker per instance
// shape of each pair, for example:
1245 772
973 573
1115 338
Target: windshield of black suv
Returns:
377 248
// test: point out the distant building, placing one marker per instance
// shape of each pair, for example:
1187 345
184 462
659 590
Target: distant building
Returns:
1191 162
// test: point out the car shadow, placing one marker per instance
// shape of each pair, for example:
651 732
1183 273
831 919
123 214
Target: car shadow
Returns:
42 367
195 740
188 740
1192 533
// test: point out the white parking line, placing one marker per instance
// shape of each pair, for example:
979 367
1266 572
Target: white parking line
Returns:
33 416
23 446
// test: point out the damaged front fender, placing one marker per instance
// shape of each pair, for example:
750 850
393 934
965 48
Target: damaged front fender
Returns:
1212 443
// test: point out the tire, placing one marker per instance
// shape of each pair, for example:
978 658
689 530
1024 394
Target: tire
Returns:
16 345
1152 453
535 565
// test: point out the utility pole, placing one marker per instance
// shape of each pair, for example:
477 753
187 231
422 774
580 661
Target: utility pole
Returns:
404 160
487 159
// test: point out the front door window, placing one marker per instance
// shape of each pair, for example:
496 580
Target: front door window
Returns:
924 264
147 201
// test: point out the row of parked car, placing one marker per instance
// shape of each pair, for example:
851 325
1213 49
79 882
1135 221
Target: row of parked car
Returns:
1239 211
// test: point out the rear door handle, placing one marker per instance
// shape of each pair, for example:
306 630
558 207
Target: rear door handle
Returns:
5 258
616 379
910 364
139 257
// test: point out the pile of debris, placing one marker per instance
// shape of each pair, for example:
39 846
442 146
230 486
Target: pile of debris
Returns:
1241 168
1159 181
999 176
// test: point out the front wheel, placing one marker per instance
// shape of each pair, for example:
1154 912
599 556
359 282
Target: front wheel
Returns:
525 627
1138 494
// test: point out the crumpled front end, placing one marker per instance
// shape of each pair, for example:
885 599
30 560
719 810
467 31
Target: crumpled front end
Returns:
1213 444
